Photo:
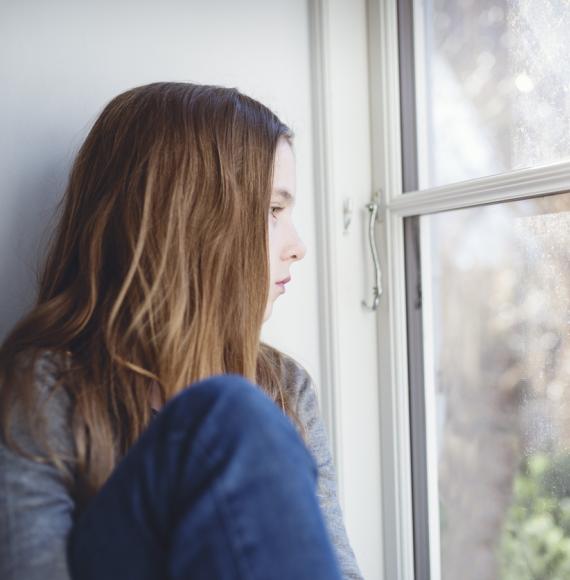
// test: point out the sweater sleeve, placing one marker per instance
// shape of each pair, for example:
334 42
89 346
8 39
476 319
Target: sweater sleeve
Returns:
317 442
35 505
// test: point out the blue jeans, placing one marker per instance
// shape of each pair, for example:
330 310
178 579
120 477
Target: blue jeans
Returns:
220 486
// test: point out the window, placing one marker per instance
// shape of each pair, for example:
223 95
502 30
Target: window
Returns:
494 86
475 230
496 335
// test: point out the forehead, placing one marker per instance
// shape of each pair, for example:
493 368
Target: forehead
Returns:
284 173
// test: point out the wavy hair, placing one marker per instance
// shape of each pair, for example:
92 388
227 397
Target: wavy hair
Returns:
158 271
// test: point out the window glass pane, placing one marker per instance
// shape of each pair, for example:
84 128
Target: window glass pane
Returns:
496 309
493 86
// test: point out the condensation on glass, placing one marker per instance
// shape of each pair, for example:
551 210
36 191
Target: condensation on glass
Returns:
496 289
493 80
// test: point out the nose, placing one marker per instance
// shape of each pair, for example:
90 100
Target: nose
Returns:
296 249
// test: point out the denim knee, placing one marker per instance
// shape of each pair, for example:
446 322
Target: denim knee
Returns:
229 406
232 391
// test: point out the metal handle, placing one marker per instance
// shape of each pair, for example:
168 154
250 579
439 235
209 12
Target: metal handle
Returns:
372 207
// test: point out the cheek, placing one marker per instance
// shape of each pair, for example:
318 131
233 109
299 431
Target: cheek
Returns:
274 241
273 237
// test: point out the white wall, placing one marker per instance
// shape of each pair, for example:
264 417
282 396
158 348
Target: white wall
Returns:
61 61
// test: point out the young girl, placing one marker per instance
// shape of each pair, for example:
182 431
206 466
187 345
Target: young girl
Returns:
146 430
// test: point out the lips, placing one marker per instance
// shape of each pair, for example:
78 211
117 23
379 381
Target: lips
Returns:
284 281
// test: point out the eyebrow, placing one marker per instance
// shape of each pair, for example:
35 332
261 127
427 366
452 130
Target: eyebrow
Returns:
286 195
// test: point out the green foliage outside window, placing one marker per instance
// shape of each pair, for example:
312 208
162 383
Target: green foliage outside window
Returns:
535 543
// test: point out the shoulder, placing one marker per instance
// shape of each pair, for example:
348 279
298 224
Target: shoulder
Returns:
297 380
41 407
304 398
50 362
36 503
47 380
45 366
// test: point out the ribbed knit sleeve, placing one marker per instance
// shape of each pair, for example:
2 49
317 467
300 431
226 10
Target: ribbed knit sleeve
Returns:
298 379
36 508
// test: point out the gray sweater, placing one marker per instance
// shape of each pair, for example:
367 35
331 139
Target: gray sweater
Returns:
37 510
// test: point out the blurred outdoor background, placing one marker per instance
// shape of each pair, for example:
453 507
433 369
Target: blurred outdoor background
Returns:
497 98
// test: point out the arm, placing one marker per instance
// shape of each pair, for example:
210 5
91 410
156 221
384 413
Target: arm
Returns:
35 505
318 444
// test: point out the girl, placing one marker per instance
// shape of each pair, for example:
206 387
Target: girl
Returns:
174 241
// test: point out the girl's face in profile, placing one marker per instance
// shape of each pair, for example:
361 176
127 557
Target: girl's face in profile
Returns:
285 245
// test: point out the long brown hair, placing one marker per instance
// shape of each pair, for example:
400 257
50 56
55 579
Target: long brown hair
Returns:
158 271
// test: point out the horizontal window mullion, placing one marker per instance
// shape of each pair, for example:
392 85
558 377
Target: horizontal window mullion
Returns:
519 184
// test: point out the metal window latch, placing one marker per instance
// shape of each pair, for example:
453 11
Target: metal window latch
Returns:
373 207
347 214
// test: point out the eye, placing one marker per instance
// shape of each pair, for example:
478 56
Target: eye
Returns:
275 208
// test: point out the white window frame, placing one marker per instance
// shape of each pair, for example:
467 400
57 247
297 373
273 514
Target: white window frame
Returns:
348 336
398 533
